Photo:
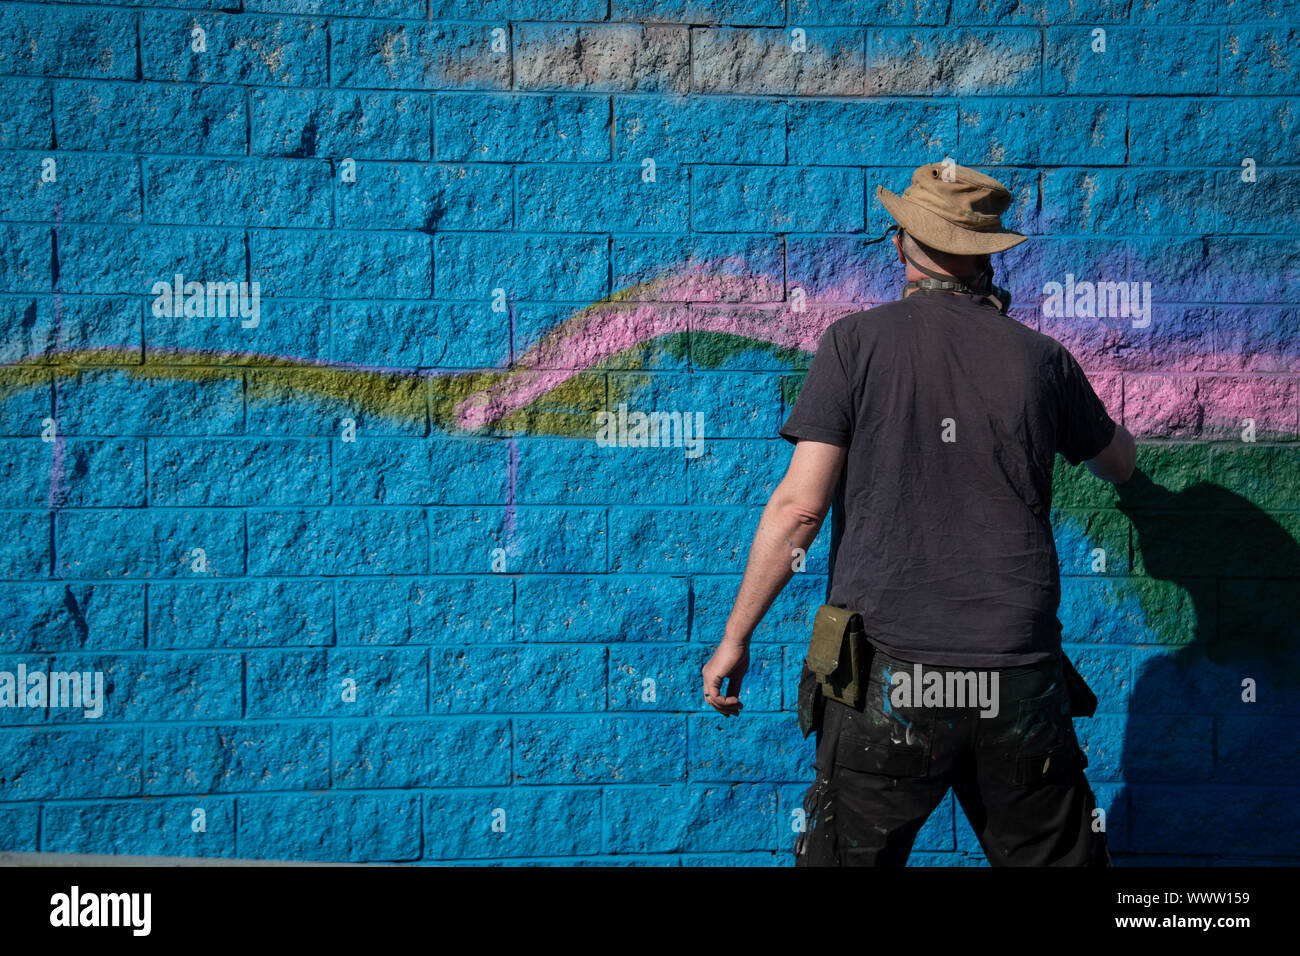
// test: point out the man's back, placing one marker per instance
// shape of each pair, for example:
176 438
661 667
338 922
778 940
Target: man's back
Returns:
953 414
939 419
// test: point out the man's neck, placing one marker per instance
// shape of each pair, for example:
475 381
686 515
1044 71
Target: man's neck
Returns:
911 275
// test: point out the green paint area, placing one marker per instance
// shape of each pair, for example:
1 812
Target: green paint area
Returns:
791 386
715 349
568 409
1215 549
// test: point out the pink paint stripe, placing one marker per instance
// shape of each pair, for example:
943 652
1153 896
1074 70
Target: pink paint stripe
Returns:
605 329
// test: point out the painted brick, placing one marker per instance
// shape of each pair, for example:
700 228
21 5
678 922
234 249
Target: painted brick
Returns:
238 471
143 828
535 679
386 9
675 541
307 401
340 828
87 188
776 199
591 199
1207 11
1259 59
855 12
561 268
447 336
28 267
511 822
411 471
205 402
235 758
739 471
329 541
44 764
583 750
49 324
91 43
19 828
618 57
262 192
239 49
342 682
1038 12
74 472
150 117
339 124
1043 130
533 539
953 62
233 614
1256 749
332 264
682 818
65 617
640 608
142 688
1213 820
537 129
296 327
416 56
108 260
28 122
1218 131
764 62
755 747
127 543
1136 60
699 131
404 754
425 611
867 132
426 198
568 472
789 620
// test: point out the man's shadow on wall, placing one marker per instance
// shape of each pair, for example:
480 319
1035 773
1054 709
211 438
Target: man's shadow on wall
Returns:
1209 777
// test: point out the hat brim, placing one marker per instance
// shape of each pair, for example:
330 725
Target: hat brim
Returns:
938 233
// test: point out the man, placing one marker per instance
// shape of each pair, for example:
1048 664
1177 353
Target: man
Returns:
933 422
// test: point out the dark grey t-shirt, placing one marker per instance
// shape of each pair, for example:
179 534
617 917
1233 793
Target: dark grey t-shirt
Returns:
952 414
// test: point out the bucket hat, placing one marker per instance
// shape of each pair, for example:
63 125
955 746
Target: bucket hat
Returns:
953 209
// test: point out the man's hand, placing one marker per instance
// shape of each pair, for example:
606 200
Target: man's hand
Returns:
730 660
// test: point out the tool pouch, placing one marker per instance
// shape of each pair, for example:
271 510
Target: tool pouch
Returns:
835 661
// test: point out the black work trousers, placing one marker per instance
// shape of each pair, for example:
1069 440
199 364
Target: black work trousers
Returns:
884 768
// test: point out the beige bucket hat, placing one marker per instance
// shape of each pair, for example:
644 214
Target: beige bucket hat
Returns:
953 209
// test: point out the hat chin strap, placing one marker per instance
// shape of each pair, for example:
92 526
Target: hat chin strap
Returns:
980 285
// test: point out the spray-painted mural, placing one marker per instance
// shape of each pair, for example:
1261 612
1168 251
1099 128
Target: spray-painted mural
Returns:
313 315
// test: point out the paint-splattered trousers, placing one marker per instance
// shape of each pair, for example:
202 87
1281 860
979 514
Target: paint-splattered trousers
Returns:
1018 775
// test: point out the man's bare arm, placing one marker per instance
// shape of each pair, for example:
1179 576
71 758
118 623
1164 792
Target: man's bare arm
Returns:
791 520
1117 460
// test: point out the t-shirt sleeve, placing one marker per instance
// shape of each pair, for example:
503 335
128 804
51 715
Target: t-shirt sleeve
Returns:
824 409
1085 428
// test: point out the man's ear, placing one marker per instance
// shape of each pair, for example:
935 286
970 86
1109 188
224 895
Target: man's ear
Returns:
898 247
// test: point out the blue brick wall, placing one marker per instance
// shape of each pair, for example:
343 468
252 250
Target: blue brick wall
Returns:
360 582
